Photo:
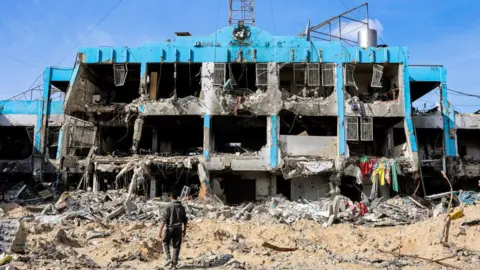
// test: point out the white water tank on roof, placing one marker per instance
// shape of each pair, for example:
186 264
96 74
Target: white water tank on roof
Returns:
367 38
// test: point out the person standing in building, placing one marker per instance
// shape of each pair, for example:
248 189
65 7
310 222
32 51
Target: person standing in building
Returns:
173 219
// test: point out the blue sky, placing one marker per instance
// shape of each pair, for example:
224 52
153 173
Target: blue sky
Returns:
43 32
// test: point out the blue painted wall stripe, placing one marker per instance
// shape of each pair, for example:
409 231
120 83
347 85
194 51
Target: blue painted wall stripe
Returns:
448 117
59 148
206 124
43 110
28 107
220 47
425 73
274 147
407 104
340 110
60 74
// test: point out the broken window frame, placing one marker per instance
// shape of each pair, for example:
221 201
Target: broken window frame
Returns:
313 74
377 76
219 79
350 75
299 67
366 129
119 78
261 74
352 128
328 74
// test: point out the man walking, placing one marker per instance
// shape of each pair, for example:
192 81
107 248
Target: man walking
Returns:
173 218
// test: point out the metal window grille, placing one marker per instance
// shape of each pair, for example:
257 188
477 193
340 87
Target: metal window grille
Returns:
120 72
328 74
299 74
219 74
352 128
377 76
350 75
262 74
366 129
313 74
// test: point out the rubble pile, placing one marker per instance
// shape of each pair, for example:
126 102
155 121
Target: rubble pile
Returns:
112 230
115 204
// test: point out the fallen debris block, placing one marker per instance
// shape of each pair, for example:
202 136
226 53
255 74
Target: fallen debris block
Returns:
210 260
440 195
471 222
4 258
95 234
12 236
277 248
120 210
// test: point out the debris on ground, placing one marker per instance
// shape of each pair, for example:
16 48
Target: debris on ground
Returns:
112 230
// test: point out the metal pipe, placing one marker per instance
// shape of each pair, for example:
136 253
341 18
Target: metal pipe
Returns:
368 21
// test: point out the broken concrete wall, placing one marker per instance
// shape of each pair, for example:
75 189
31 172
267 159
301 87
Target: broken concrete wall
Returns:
310 188
80 93
265 186
401 151
182 106
12 236
467 121
218 102
312 106
468 144
378 108
314 146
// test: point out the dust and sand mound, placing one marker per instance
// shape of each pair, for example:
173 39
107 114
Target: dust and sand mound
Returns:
345 246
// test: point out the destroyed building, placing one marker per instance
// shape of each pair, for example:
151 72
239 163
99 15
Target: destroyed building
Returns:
239 113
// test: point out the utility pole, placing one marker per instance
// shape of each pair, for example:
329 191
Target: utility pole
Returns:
242 10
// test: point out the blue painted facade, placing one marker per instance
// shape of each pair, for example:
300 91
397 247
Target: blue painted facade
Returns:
259 47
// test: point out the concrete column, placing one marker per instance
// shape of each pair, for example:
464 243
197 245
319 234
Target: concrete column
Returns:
448 113
273 131
96 184
389 144
273 185
153 85
40 134
155 140
208 89
262 187
404 82
206 136
273 80
143 79
137 134
153 188
205 185
340 109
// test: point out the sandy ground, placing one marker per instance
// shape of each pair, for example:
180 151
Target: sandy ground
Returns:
342 246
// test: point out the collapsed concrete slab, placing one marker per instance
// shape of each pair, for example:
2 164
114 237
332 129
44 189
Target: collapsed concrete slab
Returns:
12 236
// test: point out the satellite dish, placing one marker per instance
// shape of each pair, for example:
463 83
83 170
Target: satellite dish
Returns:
307 30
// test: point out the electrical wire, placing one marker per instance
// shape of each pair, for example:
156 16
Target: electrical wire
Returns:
463 93
343 3
91 30
273 18
19 60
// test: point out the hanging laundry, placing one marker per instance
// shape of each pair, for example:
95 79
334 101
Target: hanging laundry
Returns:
364 166
379 170
394 177
374 191
362 109
387 170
